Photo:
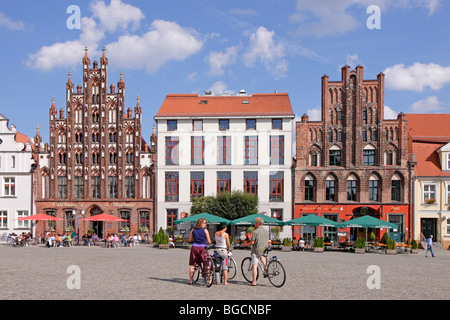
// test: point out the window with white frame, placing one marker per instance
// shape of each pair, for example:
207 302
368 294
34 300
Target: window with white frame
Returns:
429 193
3 219
21 223
448 161
448 192
448 227
9 187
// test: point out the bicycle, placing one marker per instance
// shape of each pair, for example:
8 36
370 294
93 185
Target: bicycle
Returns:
232 266
274 270
207 268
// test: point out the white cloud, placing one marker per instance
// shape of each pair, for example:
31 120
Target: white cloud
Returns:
220 87
315 114
430 104
164 42
218 60
417 77
263 48
8 23
116 15
69 53
352 60
329 17
389 113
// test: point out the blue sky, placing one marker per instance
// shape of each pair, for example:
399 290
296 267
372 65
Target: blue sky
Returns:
190 46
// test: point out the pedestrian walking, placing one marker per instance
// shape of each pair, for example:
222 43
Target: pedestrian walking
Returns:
430 246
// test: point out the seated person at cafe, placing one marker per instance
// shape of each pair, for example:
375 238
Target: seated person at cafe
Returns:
301 244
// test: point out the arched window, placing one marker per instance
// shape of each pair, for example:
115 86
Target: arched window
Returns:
330 189
335 156
309 188
374 187
396 188
351 188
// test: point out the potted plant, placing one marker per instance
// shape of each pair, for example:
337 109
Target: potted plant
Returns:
161 239
318 245
430 201
414 246
372 236
287 244
360 245
391 247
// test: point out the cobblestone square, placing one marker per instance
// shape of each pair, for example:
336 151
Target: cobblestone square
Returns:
144 272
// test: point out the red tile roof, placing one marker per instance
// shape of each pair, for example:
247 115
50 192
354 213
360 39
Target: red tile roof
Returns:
194 105
429 127
427 158
20 137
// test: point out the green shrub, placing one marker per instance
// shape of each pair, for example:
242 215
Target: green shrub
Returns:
414 244
161 237
391 245
385 239
318 243
360 243
287 242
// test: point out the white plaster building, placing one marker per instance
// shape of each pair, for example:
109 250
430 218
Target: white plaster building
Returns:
16 184
213 143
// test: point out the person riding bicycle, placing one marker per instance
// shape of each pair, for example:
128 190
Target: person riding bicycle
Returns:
259 243
222 247
199 237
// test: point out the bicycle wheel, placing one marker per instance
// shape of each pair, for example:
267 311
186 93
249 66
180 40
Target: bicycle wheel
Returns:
197 271
276 273
208 272
232 269
246 268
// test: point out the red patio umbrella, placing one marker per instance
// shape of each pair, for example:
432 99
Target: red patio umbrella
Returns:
103 217
40 217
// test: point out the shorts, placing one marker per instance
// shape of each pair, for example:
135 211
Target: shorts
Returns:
196 255
255 258
223 254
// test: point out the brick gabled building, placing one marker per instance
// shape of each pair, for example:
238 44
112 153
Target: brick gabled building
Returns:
353 162
97 160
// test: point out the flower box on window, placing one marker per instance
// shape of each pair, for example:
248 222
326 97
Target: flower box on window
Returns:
430 201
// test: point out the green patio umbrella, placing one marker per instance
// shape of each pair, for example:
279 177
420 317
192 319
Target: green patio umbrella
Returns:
250 220
210 218
312 220
368 222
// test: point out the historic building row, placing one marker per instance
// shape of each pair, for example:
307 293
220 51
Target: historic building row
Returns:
352 162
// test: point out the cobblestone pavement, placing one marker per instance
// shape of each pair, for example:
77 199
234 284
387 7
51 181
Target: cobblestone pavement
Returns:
36 273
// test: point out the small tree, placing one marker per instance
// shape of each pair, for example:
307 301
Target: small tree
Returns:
414 244
360 243
227 205
161 237
318 243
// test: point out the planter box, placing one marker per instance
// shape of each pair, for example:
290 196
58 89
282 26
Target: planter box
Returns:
286 249
318 249
414 251
163 246
360 250
391 251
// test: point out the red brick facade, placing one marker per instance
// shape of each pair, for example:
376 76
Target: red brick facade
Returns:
347 163
96 161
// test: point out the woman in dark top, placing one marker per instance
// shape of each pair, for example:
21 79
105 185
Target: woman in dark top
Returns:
199 238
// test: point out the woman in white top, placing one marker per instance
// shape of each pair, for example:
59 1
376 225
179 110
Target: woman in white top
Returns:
222 247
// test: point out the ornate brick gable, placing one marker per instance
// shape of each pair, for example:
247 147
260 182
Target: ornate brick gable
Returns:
96 157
